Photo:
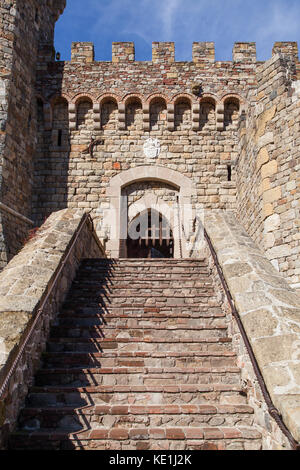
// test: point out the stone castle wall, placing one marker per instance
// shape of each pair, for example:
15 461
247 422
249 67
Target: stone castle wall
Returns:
224 125
269 167
25 28
122 103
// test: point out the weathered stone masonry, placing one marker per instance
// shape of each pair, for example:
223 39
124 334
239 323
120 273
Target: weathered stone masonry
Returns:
268 194
122 104
26 35
196 109
72 137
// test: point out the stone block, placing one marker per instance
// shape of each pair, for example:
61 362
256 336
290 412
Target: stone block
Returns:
244 52
269 169
82 52
262 157
203 52
272 195
280 251
163 52
123 52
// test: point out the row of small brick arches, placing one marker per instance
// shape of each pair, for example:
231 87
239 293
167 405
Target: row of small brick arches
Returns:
223 108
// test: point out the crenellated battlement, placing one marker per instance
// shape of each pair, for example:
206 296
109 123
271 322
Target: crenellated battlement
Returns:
203 51
244 52
82 52
123 52
164 52
286 48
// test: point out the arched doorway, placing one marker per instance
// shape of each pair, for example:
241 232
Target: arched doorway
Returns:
149 236
115 219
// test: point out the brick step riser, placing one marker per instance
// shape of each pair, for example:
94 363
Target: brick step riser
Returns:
174 306
151 271
143 312
81 399
77 379
140 292
156 347
142 298
143 302
144 264
200 303
139 278
85 360
140 323
92 261
73 422
141 335
150 319
85 272
157 441
146 300
113 284
98 347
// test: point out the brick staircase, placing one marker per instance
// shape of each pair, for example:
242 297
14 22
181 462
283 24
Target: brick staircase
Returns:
139 359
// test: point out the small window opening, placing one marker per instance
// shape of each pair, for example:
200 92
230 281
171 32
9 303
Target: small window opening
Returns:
59 138
36 17
229 172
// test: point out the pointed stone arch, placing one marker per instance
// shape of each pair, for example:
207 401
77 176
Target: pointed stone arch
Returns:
118 207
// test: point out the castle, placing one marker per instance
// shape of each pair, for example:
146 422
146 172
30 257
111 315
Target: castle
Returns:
116 139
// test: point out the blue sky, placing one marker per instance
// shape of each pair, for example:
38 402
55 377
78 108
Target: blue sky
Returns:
181 21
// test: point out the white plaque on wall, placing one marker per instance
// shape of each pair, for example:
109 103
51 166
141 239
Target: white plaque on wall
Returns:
152 148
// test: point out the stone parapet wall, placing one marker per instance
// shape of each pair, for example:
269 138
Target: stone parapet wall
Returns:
270 313
24 284
269 167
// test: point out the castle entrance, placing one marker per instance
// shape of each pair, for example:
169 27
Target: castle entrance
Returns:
150 236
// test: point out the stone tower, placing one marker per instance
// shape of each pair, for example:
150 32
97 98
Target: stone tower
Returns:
26 43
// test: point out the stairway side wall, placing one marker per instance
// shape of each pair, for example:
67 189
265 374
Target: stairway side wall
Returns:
24 282
272 436
270 313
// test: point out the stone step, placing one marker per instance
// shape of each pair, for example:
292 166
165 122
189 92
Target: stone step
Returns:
92 262
107 303
142 438
115 284
136 345
76 419
161 295
203 304
145 270
81 377
53 359
57 396
136 334
120 291
132 311
167 277
126 323
143 316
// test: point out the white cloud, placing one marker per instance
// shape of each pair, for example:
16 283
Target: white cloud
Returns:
168 12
